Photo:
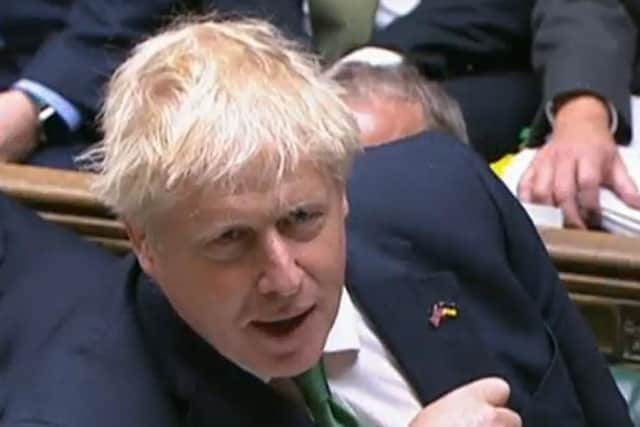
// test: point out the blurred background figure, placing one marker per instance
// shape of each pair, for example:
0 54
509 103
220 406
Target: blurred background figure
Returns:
391 100
55 57
561 66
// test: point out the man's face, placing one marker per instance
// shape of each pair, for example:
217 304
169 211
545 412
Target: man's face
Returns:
257 274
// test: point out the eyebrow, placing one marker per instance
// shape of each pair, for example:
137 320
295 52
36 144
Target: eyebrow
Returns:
229 217
285 203
208 233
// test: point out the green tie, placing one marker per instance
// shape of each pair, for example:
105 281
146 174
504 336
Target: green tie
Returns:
325 410
341 25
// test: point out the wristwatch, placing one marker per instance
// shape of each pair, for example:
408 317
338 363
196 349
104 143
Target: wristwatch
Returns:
52 126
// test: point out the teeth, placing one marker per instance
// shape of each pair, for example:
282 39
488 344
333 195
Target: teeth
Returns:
287 318
284 319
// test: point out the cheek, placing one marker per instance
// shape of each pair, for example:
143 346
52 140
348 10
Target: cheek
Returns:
324 259
210 299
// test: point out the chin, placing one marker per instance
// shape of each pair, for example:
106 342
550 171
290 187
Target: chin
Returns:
290 353
293 364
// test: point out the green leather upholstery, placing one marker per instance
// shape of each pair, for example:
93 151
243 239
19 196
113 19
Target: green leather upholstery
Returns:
628 381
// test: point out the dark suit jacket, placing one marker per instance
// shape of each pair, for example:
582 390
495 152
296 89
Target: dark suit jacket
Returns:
123 357
73 46
574 45
633 8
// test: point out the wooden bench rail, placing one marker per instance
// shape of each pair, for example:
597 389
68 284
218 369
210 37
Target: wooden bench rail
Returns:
51 189
594 253
88 225
64 198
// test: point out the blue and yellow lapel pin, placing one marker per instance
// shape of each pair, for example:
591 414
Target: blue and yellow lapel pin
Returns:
441 311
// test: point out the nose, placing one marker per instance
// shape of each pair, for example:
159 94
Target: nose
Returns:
282 275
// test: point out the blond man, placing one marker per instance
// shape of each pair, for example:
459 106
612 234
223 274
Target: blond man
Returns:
227 154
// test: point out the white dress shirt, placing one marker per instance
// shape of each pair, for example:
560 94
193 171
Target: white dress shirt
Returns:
389 10
362 374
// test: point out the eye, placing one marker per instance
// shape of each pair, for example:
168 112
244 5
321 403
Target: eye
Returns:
300 216
229 245
231 236
302 223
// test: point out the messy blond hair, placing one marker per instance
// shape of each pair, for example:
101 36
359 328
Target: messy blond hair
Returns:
207 102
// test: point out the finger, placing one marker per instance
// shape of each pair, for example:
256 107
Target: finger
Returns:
526 184
621 183
493 390
565 188
589 207
572 216
507 418
565 191
542 184
590 178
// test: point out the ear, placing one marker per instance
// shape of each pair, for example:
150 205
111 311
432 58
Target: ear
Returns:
345 204
141 247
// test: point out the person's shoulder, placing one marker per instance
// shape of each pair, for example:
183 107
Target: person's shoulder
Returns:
429 163
23 228
85 362
430 149
46 270
73 350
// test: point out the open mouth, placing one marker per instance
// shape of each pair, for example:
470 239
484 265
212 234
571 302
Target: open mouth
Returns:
281 328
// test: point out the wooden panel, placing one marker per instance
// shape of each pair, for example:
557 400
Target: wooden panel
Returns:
616 324
612 287
602 273
88 225
64 198
590 252
603 316
51 190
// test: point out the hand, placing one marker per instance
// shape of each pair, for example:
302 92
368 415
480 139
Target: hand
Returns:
19 126
478 404
580 157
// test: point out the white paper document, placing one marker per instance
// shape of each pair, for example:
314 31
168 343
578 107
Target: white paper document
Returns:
617 217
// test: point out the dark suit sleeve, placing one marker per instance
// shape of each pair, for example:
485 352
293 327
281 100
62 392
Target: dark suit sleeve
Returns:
77 61
530 262
584 46
287 15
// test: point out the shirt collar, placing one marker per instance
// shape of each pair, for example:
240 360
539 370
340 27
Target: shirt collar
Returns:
343 335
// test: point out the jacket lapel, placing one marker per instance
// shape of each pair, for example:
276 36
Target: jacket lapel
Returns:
398 300
232 397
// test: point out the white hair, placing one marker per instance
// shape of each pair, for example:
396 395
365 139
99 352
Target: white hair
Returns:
210 103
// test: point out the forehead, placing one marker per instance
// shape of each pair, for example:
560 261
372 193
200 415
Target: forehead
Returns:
386 120
254 199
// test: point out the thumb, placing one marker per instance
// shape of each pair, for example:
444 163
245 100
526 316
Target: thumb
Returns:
493 390
621 183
